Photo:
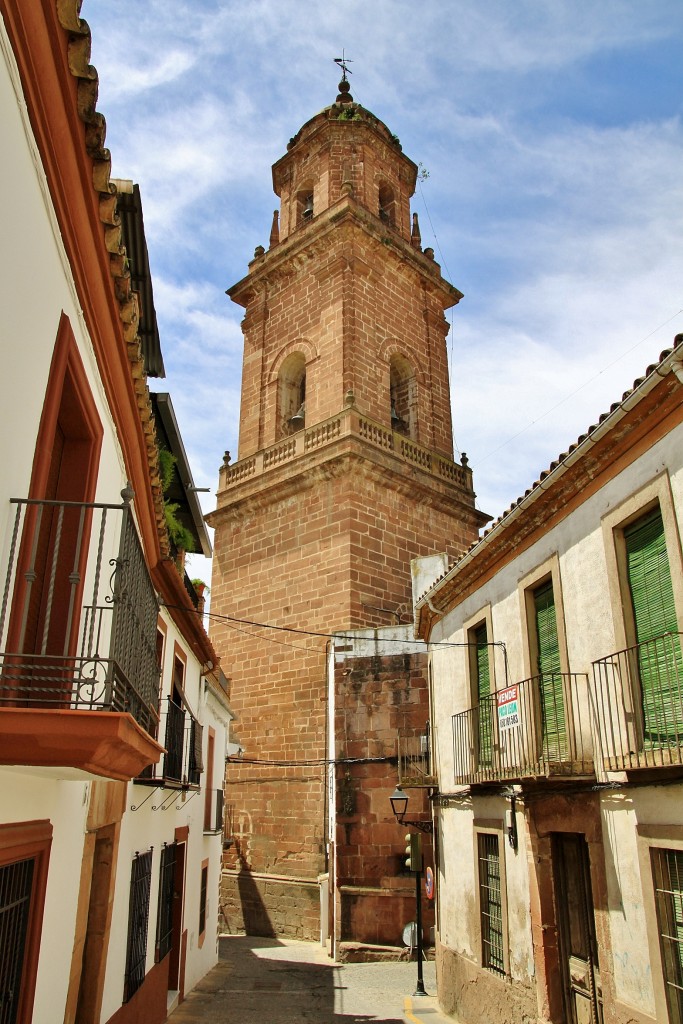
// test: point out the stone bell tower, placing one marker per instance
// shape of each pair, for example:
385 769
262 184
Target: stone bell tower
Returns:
345 473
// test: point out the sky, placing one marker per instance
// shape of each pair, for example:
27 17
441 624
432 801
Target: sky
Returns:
552 135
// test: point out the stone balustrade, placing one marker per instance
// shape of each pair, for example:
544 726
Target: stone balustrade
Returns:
347 423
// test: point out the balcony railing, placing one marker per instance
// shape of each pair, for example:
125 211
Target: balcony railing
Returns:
638 696
536 728
414 760
213 819
78 612
181 735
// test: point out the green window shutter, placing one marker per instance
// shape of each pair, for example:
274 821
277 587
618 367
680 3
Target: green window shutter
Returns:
654 614
485 708
483 671
550 672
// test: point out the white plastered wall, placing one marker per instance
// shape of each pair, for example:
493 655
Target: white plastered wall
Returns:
589 618
151 826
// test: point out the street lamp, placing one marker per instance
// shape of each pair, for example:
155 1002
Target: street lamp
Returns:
399 805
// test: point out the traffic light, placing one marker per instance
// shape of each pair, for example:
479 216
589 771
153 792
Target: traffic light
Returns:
414 851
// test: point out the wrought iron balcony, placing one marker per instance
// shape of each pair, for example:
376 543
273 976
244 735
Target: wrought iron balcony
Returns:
78 619
213 818
638 696
536 728
414 760
181 765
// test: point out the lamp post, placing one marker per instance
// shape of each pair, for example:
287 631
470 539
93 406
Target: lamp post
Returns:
399 805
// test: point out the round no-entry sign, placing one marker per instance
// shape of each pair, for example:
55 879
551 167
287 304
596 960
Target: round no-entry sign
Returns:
429 884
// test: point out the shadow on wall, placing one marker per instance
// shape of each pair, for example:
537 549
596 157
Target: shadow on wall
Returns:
254 912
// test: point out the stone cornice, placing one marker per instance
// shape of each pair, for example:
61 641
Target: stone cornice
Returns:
335 448
294 254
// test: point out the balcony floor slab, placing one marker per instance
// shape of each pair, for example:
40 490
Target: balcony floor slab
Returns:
106 744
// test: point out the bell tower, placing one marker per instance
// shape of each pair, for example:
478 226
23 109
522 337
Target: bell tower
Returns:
345 473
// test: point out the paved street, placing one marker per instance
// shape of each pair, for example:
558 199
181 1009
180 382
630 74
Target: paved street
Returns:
271 981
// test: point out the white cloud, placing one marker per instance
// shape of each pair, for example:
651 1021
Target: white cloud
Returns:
561 224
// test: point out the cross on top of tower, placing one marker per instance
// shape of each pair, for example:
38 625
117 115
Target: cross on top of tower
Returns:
344 86
342 62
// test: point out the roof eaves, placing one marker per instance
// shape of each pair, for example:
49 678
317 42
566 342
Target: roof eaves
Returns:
670 360
163 405
79 42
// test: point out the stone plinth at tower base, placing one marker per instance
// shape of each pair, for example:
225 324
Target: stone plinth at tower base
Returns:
253 903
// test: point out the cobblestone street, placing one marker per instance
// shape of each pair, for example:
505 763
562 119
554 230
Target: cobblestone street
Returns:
270 981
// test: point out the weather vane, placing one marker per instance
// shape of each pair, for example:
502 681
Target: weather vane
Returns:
342 62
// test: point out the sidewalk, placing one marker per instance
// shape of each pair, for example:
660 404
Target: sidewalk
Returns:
424 1010
276 981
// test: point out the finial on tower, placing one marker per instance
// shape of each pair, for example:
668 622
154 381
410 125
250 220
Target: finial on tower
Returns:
344 86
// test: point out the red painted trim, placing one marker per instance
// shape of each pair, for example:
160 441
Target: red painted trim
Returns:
168 581
208 792
183 960
105 743
182 834
21 841
148 1004
66 360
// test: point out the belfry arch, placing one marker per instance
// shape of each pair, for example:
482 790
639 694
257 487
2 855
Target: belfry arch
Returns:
291 395
403 393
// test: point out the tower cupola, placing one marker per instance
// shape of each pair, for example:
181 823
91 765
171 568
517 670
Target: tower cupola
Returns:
344 150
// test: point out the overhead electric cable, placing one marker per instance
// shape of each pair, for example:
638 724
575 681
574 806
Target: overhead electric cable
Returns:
339 634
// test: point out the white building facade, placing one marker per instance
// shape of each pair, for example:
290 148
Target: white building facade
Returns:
99 634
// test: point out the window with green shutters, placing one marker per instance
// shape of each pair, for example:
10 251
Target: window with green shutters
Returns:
659 662
482 673
549 668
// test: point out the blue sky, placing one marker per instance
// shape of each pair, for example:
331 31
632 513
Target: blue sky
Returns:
553 137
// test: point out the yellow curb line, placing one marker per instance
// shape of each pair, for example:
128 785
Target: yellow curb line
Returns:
408 1011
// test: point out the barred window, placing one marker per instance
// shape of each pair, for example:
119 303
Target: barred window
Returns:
16 886
202 899
165 907
667 871
490 902
138 919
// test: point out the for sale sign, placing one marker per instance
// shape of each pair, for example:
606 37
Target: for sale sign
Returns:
508 708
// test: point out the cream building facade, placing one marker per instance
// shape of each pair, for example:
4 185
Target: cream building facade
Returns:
557 726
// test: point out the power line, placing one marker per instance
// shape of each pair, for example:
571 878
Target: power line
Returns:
340 634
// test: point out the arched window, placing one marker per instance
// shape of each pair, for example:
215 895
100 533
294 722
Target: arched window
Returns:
387 204
304 204
403 393
292 395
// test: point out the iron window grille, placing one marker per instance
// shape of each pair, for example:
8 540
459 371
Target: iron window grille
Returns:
182 764
667 871
16 887
203 893
165 907
138 920
78 611
490 903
